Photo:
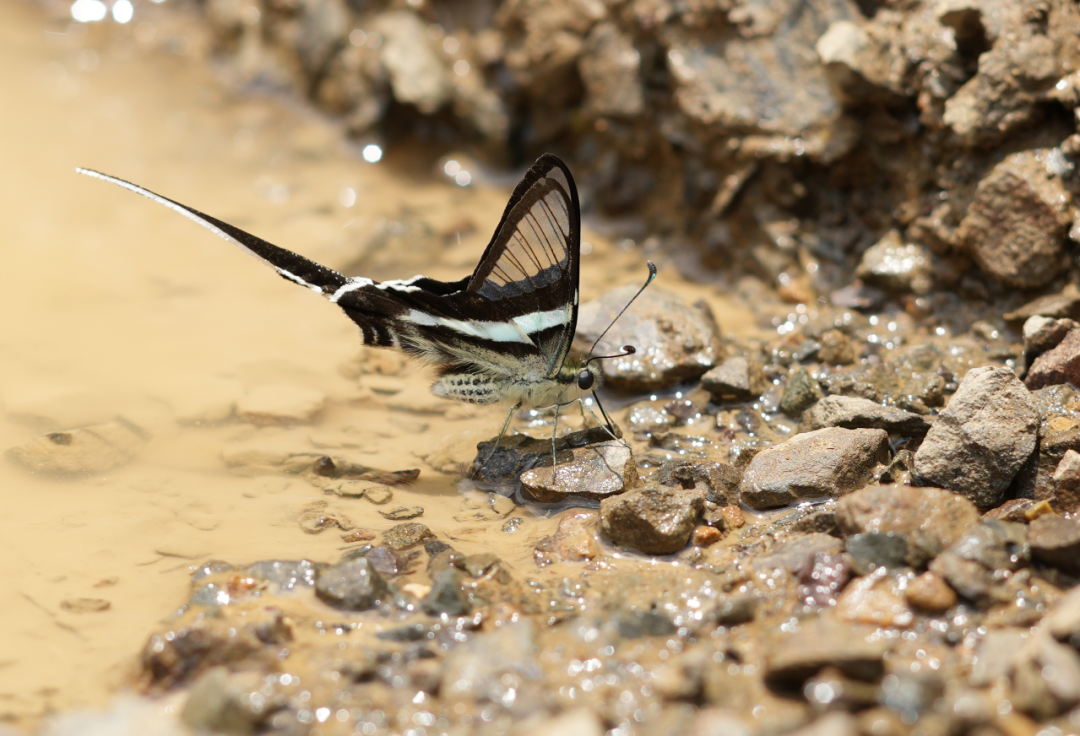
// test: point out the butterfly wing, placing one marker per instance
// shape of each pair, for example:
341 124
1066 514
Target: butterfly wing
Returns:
530 270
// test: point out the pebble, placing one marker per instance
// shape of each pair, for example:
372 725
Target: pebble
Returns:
403 512
1015 509
353 585
897 266
499 464
796 554
876 600
825 463
824 642
1060 364
1015 226
737 379
573 541
872 550
1055 540
594 473
1067 484
654 520
316 521
836 348
981 439
929 519
705 536
994 655
81 451
280 404
928 592
447 596
1063 304
852 412
1045 333
404 536
800 393
676 341
720 481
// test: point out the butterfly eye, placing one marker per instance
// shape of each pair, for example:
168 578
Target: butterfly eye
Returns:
585 380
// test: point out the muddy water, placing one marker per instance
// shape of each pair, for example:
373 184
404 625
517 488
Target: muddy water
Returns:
114 306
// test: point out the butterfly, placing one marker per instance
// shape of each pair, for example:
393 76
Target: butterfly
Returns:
500 335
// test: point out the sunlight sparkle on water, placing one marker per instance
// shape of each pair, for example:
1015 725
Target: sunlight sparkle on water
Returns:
88 11
122 11
372 153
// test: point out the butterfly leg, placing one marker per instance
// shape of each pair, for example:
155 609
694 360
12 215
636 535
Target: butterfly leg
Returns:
505 426
554 460
607 424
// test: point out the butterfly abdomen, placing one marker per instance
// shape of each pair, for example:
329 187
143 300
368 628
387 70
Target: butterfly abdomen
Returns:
468 387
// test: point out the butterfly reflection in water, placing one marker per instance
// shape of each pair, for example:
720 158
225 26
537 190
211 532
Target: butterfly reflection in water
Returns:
500 335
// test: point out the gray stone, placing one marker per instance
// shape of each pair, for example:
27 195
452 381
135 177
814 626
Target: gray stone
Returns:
353 585
591 473
736 379
682 340
872 550
653 520
1056 541
852 412
982 438
1015 227
447 596
826 463
929 519
800 393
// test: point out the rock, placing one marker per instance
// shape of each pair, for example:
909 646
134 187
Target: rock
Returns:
930 593
705 536
594 473
982 438
735 380
836 348
500 463
285 574
1012 510
610 69
1060 364
734 610
994 655
798 553
800 393
280 404
1062 305
1045 333
1045 678
1056 541
80 451
897 266
1015 227
872 550
573 540
1063 622
403 512
822 578
852 412
720 481
826 463
404 536
353 585
447 596
221 703
489 665
318 520
929 519
1066 479
966 577
676 341
636 624
823 642
653 520
877 600
417 73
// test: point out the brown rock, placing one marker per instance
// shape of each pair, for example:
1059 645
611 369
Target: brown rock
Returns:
1064 304
654 520
573 541
736 379
1045 333
705 536
594 473
1058 365
1015 509
930 519
875 600
823 642
930 593
1056 541
836 348
825 463
1067 483
1014 229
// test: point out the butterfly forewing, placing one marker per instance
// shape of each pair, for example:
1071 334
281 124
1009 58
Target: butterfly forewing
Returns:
529 271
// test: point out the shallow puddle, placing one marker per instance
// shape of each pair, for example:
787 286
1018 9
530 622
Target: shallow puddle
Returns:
117 308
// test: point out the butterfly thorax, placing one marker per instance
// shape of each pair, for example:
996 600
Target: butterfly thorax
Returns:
535 389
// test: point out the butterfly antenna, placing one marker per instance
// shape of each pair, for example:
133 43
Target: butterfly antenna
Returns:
652 275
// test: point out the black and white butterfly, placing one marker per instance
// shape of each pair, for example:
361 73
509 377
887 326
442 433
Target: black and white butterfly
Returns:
500 335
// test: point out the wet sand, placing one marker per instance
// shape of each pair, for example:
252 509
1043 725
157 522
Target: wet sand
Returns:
115 306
